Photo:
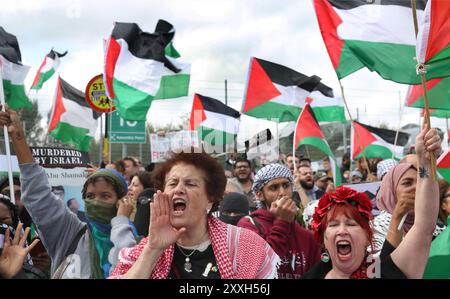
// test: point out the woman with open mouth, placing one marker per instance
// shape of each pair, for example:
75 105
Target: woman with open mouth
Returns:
341 222
185 240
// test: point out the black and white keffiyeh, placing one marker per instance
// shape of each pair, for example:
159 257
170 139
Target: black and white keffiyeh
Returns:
384 166
270 172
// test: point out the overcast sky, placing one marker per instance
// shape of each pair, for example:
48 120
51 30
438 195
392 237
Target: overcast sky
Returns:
217 36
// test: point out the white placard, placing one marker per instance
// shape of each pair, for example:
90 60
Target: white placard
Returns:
162 145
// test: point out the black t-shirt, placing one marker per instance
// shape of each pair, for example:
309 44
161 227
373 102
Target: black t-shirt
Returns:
203 264
388 268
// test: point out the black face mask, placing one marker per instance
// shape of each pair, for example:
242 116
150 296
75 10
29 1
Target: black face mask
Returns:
230 219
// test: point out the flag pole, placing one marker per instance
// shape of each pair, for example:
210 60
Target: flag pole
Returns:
399 124
420 69
108 124
354 129
294 146
100 158
5 133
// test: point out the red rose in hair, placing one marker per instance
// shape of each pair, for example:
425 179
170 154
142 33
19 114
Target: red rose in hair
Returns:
325 203
364 205
342 194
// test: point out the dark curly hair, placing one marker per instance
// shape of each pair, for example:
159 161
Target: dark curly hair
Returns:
214 174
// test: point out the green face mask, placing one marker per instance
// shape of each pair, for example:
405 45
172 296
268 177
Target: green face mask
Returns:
100 211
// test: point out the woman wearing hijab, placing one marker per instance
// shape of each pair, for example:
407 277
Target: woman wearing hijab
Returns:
76 250
185 240
342 223
395 199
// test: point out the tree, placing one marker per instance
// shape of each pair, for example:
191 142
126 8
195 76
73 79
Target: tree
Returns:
34 132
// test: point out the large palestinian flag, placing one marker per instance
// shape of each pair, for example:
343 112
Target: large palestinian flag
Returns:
438 265
47 69
134 63
276 92
12 72
443 165
174 84
308 132
72 119
326 106
378 35
438 93
376 142
217 124
433 40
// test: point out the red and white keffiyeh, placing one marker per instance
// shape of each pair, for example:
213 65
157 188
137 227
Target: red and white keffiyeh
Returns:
240 254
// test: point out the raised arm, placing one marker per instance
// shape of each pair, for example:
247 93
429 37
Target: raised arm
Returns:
57 226
11 119
412 254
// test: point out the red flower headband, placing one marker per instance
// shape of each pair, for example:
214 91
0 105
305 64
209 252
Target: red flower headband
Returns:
342 194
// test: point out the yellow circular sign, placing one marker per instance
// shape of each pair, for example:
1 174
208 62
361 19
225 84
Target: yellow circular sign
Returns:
96 95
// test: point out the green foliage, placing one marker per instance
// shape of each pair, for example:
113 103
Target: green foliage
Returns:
31 122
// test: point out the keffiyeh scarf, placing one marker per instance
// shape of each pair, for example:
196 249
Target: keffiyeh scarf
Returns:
239 253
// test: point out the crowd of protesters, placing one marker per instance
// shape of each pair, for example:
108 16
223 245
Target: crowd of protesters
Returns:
194 217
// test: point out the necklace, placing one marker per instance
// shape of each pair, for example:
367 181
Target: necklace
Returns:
187 260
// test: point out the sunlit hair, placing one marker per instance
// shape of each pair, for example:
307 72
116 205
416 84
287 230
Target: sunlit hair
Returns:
214 176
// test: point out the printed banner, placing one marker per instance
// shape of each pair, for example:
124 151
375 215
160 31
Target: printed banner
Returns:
162 145
65 169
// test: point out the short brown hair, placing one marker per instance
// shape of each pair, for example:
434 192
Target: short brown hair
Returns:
214 175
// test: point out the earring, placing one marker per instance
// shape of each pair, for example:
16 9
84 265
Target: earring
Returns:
325 257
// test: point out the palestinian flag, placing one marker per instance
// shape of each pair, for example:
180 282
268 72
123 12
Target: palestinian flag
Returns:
376 142
47 69
275 92
72 119
174 84
217 124
326 106
443 165
433 40
438 93
438 265
12 72
378 35
134 63
307 131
